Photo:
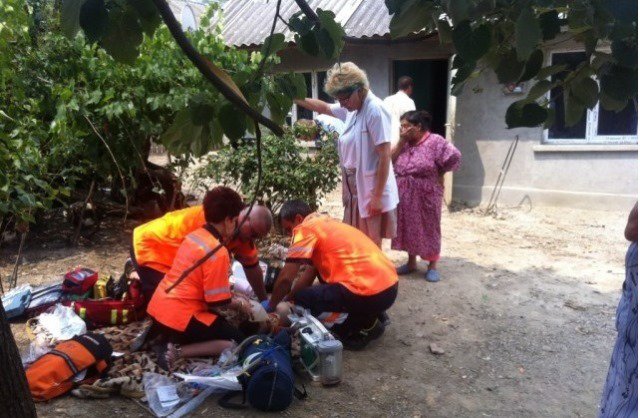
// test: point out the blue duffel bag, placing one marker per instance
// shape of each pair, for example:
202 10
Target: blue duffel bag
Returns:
268 383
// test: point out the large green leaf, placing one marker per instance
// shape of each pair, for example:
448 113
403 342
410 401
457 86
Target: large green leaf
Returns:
600 59
410 16
123 36
94 19
292 85
551 70
70 17
330 30
613 105
275 43
625 53
586 91
394 6
182 133
623 11
550 24
509 68
533 65
539 89
457 10
201 113
528 33
149 17
574 109
481 8
444 32
463 72
279 106
325 44
308 43
471 44
300 23
232 121
523 114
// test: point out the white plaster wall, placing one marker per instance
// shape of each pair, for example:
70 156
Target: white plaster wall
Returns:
587 179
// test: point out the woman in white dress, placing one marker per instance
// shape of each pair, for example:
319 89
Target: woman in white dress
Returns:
369 191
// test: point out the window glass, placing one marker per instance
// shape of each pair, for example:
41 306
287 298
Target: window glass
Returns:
623 123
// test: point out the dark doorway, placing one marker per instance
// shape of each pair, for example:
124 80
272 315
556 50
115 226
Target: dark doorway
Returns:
430 78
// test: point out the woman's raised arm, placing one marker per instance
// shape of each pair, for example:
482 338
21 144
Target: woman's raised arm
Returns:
315 105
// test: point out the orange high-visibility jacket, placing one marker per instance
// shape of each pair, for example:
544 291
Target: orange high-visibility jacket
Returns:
342 254
207 284
155 243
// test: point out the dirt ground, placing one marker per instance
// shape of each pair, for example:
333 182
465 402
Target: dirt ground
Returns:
525 315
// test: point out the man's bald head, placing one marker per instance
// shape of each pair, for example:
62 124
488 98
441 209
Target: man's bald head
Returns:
258 224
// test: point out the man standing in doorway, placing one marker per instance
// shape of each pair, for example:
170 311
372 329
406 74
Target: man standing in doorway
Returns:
398 104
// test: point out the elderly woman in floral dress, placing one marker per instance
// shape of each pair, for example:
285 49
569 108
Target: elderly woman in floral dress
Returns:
420 160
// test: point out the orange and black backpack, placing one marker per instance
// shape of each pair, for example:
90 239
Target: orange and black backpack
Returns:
52 374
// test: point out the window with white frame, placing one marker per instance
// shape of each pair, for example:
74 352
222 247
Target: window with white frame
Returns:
315 89
597 126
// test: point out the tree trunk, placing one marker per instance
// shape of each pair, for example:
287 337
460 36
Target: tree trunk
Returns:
15 398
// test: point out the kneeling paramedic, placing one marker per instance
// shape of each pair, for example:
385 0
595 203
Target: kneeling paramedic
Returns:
155 245
358 282
184 312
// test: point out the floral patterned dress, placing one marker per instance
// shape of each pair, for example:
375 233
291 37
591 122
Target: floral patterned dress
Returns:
418 169
620 394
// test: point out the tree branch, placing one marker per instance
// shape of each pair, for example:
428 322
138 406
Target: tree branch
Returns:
13 280
208 70
76 235
268 50
307 10
113 157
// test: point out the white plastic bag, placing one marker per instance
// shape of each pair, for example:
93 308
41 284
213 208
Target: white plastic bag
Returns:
223 382
164 395
62 323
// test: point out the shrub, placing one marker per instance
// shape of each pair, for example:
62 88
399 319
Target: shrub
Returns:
290 169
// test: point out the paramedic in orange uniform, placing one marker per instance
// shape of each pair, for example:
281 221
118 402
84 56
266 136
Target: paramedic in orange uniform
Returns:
186 315
155 245
358 282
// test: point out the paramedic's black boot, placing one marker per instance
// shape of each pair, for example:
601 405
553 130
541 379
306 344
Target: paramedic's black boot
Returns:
361 339
384 318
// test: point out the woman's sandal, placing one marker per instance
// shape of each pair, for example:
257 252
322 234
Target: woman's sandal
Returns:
432 276
404 269
164 352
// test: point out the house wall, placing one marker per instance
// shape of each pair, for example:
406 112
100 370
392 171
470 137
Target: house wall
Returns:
376 59
583 176
599 177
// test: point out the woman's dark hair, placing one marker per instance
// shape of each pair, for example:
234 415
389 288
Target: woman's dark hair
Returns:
221 203
418 117
292 208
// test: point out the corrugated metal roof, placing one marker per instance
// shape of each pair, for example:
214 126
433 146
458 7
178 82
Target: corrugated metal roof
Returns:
248 22
370 19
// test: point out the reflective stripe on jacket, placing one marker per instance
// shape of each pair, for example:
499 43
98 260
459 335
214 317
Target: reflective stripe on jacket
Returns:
207 284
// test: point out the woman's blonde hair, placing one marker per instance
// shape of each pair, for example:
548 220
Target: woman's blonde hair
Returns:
345 76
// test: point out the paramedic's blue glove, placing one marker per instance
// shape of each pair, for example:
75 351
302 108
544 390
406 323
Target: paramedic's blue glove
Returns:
267 307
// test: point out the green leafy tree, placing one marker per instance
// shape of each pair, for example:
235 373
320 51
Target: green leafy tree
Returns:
508 37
